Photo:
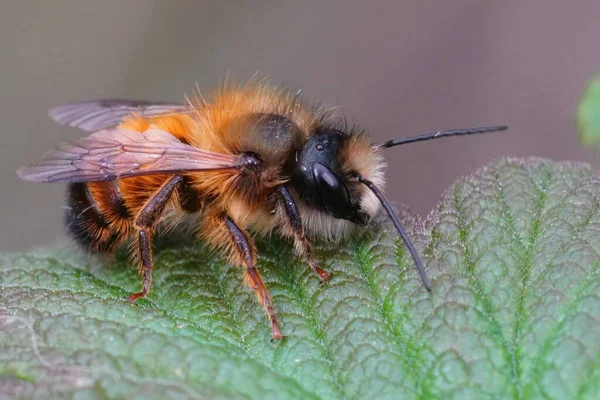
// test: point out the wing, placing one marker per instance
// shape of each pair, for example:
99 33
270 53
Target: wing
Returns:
101 114
118 153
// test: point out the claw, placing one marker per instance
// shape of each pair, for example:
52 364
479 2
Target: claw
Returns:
324 275
133 297
275 332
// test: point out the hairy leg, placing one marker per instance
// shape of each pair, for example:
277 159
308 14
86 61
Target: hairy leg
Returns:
222 232
145 223
293 226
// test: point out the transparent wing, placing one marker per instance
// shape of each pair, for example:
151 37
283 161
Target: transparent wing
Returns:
101 114
118 153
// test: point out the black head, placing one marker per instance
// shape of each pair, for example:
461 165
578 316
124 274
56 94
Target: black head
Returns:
319 180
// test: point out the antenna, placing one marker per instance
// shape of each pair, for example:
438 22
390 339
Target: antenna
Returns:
388 208
441 134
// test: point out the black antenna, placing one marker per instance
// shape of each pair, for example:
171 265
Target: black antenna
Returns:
441 134
399 228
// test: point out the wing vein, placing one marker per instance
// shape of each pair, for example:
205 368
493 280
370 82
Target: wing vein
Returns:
114 153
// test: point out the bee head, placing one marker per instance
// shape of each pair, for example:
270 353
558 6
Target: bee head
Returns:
326 171
342 174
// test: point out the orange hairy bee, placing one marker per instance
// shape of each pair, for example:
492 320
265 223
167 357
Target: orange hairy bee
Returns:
251 158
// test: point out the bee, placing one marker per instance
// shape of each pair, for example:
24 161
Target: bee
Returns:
249 159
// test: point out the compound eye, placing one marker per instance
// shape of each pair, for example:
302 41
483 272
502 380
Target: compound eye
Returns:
332 192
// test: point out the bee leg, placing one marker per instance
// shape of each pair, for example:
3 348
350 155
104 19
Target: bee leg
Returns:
144 249
244 251
293 223
145 222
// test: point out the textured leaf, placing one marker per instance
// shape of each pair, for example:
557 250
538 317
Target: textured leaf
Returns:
513 251
588 114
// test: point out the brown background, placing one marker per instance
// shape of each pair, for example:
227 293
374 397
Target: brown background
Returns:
397 67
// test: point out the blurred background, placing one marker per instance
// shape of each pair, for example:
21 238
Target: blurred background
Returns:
397 67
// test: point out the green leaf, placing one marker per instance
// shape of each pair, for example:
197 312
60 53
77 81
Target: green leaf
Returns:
513 251
587 120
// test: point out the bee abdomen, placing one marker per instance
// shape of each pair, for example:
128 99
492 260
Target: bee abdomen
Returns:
86 224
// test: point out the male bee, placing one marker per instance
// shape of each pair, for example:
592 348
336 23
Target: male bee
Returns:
249 159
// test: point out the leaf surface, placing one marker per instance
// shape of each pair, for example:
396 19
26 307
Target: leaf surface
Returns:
512 250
